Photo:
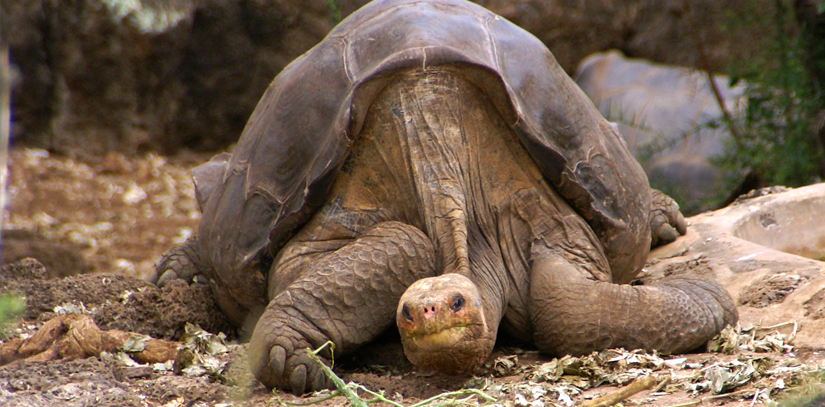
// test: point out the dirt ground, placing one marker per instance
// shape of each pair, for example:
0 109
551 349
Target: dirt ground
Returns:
97 228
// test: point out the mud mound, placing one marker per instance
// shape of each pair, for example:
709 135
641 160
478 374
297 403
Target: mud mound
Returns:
815 307
116 301
769 290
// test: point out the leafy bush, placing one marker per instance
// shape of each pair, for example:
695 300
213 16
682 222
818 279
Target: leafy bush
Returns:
778 141
11 308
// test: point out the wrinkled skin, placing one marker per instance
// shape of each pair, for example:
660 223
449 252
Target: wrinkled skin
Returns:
448 217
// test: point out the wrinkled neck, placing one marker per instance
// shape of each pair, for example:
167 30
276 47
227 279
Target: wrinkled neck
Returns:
444 165
488 272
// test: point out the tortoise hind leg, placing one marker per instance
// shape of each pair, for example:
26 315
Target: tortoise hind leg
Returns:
347 296
666 221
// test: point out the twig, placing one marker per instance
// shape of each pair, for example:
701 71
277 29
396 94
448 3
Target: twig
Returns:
661 385
765 328
339 384
332 395
790 337
734 131
688 404
704 64
348 390
755 397
377 396
716 397
637 386
459 393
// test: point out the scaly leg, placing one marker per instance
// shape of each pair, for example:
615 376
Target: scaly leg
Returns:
347 296
572 313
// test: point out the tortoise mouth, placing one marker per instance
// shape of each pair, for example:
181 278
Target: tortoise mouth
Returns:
446 336
453 350
442 325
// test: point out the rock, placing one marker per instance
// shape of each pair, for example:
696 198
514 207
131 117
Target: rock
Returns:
27 268
666 31
129 76
767 251
133 372
669 118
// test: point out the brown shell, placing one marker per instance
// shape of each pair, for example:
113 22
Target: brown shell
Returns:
300 133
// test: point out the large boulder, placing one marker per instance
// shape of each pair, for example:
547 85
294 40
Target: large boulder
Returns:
670 119
666 31
767 250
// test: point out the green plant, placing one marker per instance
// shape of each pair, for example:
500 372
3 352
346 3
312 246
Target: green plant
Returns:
11 308
809 391
777 143
335 13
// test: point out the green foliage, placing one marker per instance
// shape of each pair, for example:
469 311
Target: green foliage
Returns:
809 392
777 143
11 308
335 13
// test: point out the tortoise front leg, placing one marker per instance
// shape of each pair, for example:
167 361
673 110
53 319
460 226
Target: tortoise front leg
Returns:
572 313
347 296
181 262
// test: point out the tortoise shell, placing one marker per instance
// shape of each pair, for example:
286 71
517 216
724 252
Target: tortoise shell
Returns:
302 130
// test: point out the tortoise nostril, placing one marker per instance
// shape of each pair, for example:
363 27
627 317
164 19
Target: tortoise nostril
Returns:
406 313
458 303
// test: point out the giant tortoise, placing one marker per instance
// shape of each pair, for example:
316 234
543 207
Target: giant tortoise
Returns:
430 163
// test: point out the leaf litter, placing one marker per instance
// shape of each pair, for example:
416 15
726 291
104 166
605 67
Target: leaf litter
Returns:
555 382
751 374
752 362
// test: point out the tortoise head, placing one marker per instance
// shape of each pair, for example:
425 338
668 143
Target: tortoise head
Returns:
442 325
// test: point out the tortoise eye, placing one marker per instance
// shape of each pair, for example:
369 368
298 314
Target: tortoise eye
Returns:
406 313
458 303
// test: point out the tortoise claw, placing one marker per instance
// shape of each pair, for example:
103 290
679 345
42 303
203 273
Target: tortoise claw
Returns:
179 263
666 233
277 360
321 381
298 380
166 277
666 221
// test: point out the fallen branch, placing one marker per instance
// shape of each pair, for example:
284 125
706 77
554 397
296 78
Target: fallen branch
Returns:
339 384
637 386
790 337
661 385
350 390
715 397
76 336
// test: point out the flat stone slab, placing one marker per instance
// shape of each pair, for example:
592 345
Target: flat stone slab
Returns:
755 248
